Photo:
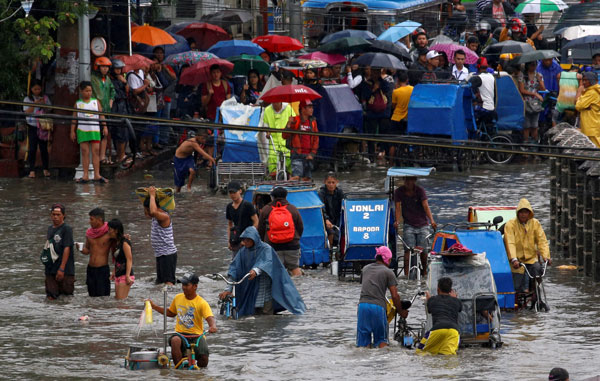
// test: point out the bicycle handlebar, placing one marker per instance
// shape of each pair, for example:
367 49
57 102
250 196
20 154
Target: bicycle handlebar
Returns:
543 269
230 282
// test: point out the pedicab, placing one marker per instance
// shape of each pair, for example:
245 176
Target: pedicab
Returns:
314 245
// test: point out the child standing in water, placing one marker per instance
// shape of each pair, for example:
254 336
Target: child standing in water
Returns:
122 258
87 132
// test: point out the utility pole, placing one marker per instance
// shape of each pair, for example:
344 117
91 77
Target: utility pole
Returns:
295 17
84 47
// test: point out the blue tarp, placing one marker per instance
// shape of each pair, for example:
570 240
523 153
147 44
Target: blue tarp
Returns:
370 4
438 109
491 243
366 224
409 171
240 146
336 111
509 105
313 243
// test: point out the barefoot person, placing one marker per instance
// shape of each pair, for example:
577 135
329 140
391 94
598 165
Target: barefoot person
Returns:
97 245
184 165
122 258
191 309
60 272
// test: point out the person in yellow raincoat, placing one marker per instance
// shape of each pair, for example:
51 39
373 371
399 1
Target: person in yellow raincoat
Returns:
277 115
524 239
588 105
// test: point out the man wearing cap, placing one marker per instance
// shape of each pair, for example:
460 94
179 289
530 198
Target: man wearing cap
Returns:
303 147
191 309
288 252
60 268
486 92
376 278
184 165
433 61
588 105
240 214
416 70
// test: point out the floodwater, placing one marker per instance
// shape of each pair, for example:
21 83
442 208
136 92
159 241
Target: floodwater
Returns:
45 340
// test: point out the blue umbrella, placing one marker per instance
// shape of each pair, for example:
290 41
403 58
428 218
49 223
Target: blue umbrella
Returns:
349 33
180 47
224 49
396 32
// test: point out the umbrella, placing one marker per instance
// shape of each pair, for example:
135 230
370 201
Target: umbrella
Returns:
276 44
345 45
582 41
205 35
189 58
174 28
289 94
152 36
382 60
442 39
540 6
134 62
449 49
180 47
389 47
230 48
396 32
509 46
246 62
200 71
228 17
329 58
535 55
348 33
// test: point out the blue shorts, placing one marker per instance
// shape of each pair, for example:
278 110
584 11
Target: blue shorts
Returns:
372 325
181 169
414 236
300 166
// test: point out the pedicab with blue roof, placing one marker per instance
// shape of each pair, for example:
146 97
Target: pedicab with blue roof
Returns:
314 244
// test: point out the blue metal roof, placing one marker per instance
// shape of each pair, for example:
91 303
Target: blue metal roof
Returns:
409 171
300 197
371 4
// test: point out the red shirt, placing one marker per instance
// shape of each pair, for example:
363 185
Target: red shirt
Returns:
219 95
305 142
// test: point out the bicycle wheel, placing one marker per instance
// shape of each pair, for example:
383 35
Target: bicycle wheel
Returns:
413 268
541 298
234 313
500 157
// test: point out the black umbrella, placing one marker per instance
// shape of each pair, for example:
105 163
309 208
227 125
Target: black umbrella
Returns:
509 46
345 45
389 47
381 60
535 55
582 42
228 17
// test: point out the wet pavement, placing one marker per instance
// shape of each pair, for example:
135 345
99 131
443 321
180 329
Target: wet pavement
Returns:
45 340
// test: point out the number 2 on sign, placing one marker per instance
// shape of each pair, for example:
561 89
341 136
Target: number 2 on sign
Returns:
365 216
366 236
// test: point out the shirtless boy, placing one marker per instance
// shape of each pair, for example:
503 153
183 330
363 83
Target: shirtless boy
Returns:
183 162
97 245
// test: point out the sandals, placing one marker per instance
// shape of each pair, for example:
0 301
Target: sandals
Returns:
101 180
82 181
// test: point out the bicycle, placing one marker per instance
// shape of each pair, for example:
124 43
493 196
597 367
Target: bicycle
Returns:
490 135
408 336
228 306
188 361
415 262
537 297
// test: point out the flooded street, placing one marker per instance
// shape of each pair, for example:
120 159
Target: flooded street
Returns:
45 340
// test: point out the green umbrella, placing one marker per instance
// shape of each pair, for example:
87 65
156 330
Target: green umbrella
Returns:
540 6
535 55
245 62
345 45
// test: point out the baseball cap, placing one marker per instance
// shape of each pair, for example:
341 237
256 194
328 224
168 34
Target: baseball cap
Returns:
279 192
188 278
385 254
432 54
305 102
234 186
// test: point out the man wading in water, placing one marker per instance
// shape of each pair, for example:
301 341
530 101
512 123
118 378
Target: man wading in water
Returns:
97 245
184 164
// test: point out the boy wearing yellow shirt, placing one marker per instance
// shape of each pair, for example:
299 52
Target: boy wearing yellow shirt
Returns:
400 100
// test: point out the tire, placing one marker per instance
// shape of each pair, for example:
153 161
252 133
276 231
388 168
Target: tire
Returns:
234 313
498 157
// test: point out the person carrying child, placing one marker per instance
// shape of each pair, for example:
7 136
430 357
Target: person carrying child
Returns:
303 147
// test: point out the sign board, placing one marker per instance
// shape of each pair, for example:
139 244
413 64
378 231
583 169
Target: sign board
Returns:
366 222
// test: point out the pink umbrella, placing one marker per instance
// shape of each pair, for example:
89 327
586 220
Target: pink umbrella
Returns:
449 49
200 72
329 58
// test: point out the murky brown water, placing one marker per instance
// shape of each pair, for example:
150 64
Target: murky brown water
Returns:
44 340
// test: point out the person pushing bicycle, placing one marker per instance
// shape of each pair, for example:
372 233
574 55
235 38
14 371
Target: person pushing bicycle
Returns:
524 239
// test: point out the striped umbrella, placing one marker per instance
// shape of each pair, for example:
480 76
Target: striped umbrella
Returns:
540 6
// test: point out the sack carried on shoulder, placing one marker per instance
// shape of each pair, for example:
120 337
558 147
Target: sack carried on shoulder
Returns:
281 227
533 105
377 102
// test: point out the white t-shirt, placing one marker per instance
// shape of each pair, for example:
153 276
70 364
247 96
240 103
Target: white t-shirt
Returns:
135 81
460 75
487 91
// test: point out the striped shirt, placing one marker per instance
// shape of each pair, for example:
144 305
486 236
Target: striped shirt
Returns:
162 239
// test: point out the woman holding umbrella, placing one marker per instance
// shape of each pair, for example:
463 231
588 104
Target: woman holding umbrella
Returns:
252 89
529 84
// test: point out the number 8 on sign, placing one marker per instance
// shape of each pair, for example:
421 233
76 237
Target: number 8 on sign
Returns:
366 236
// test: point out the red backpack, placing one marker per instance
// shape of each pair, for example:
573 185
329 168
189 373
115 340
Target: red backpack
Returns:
281 227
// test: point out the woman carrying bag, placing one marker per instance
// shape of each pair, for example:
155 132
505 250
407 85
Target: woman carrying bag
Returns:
38 130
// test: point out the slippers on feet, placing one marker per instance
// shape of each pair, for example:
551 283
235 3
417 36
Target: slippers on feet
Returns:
101 180
82 181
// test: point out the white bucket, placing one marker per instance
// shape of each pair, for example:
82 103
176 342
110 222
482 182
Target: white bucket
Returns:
334 268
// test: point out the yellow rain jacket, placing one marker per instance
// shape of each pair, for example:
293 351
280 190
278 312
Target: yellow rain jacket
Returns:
524 241
588 106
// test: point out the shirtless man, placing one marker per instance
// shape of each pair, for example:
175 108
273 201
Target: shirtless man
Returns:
183 162
97 245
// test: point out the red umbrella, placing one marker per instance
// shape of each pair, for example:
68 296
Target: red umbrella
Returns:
329 58
289 94
134 62
205 35
275 43
200 72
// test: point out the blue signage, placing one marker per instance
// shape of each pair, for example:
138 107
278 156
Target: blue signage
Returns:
366 222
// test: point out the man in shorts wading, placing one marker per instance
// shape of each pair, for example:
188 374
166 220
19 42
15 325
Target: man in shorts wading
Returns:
191 309
279 232
184 165
161 237
97 245
60 272
412 206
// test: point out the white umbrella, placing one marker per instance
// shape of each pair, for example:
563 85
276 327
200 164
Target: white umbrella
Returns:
541 6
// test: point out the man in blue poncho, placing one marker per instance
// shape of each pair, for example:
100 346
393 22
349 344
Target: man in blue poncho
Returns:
269 288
